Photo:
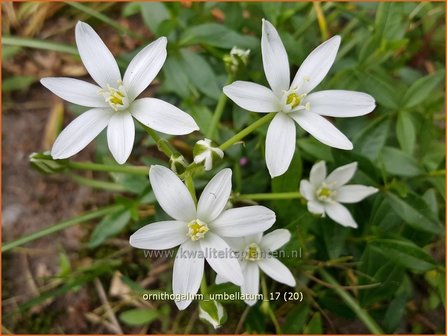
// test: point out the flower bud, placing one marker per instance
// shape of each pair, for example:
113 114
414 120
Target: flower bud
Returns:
212 312
178 163
236 60
45 163
207 151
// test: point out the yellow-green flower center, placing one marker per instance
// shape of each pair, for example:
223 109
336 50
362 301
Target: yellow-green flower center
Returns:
197 229
116 97
253 252
325 193
293 100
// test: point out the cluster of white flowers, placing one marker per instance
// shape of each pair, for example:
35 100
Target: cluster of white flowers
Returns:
208 226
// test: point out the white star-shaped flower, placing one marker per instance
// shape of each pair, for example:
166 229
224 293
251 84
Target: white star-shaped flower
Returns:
199 229
324 194
294 102
113 99
255 254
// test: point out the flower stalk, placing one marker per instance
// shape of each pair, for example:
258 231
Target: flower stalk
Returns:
135 170
272 196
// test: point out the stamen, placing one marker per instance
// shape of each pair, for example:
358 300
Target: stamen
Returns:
325 192
253 252
197 229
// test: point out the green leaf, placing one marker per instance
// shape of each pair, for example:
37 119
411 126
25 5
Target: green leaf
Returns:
334 236
371 140
17 83
421 89
380 89
397 162
176 79
314 326
109 226
316 149
296 318
139 316
200 73
217 35
406 133
415 213
154 13
201 114
404 253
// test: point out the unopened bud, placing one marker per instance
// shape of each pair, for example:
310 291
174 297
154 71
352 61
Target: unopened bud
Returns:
178 163
212 312
236 59
206 151
44 163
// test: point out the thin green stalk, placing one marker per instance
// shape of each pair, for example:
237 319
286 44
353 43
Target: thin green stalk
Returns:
273 196
38 44
61 226
136 170
267 308
352 303
203 286
98 184
321 21
246 131
105 19
161 143
190 185
218 112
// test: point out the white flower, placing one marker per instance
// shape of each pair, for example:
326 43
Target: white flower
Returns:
198 230
324 194
255 252
205 151
293 101
113 101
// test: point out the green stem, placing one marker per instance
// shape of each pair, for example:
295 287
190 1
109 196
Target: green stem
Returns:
273 196
352 303
246 131
136 170
218 112
267 307
60 226
203 286
161 143
190 185
105 19
98 184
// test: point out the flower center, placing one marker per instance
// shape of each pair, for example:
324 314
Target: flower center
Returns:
117 98
325 193
197 229
293 101
253 252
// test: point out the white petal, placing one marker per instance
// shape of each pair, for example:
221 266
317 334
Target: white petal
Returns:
144 67
317 174
75 91
162 116
274 58
275 239
307 190
277 271
315 207
172 194
80 132
338 213
218 256
252 97
321 129
342 175
160 236
237 243
239 222
97 58
121 136
354 193
215 196
188 271
280 144
220 279
340 103
316 66
251 281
